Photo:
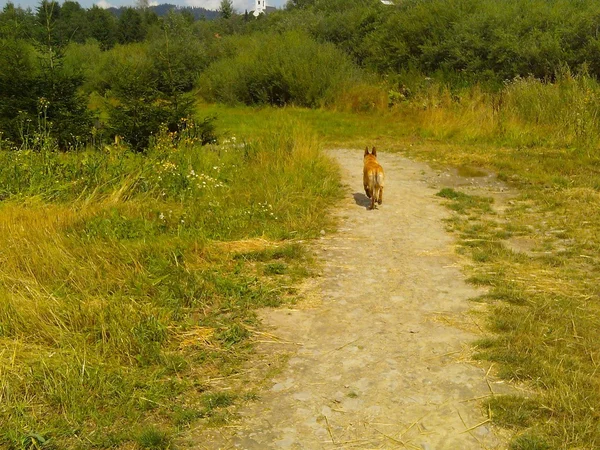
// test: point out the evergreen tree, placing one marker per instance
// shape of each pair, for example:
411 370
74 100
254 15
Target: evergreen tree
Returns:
39 91
138 112
72 25
130 27
17 89
226 9
102 26
48 13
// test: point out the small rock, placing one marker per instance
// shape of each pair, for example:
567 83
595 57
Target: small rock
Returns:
322 232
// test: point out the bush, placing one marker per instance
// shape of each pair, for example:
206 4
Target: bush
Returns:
150 84
279 69
39 100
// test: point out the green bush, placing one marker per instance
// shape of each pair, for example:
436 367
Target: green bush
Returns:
149 84
279 69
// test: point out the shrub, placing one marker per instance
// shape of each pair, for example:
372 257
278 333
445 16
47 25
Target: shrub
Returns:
279 69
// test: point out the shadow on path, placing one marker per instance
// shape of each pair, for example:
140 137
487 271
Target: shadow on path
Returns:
362 200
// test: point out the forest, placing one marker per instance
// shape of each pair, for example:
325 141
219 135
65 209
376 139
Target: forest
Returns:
140 231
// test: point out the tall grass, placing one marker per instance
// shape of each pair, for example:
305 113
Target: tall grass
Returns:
117 296
525 112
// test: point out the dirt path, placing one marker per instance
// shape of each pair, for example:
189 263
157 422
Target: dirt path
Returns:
377 363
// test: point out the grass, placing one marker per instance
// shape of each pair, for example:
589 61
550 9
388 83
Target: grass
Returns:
544 309
543 317
128 281
132 276
544 313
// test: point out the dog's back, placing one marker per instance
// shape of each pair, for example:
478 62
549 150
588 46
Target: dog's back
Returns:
373 177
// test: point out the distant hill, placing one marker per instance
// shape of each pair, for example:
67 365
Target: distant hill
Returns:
163 10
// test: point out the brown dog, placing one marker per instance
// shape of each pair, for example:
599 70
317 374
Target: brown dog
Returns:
373 177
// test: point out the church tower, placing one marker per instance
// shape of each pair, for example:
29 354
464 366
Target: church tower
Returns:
261 6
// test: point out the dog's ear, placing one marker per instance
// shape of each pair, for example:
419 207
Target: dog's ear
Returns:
374 152
366 151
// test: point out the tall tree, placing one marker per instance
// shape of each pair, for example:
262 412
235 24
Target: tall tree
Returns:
226 9
130 27
72 24
48 13
17 89
102 26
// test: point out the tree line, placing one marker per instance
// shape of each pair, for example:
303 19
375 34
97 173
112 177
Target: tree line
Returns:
139 70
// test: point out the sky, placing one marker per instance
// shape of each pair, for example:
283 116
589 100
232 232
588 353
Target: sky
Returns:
239 5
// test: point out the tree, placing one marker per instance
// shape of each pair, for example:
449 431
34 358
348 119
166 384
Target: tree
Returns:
138 112
37 89
300 3
17 23
102 26
48 12
130 27
17 89
72 24
177 59
226 9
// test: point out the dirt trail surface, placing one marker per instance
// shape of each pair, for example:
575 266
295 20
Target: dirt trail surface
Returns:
381 359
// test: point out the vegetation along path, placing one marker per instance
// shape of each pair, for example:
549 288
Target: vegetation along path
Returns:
380 360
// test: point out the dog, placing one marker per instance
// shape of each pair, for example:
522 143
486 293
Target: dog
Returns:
373 177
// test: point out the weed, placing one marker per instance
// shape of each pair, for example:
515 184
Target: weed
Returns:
154 439
463 203
276 268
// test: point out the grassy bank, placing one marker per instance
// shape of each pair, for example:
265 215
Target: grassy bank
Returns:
539 261
127 281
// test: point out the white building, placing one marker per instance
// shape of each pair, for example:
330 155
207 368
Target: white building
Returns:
262 8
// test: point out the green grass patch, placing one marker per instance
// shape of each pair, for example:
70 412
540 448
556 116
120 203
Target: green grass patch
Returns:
463 203
128 280
516 411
